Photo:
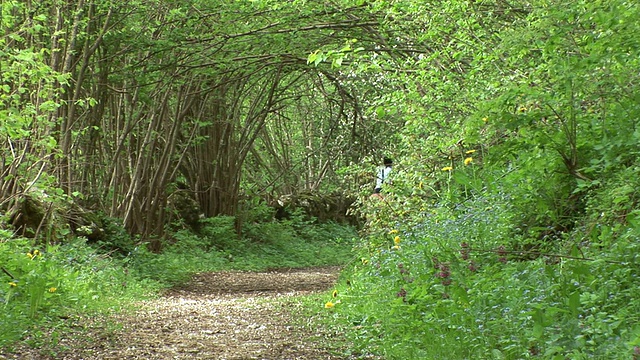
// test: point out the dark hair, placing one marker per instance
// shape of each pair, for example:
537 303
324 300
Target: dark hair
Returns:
387 161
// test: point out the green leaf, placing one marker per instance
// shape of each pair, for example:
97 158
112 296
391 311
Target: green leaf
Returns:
312 58
538 331
574 303
497 354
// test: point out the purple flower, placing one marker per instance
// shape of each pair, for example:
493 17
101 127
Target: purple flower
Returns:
402 293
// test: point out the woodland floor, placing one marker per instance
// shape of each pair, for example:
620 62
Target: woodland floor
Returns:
227 315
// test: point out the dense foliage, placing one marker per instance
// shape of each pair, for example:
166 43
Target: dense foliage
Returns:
166 131
511 230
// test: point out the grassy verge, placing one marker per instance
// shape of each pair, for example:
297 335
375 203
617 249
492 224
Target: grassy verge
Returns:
44 288
323 317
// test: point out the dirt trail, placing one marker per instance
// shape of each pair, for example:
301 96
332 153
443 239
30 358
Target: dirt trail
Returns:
230 315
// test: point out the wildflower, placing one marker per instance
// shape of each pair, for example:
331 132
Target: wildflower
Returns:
30 255
464 252
36 252
401 268
335 293
12 284
485 119
468 160
329 305
533 350
364 261
52 289
444 271
402 294
394 231
470 151
397 247
522 109
396 240
447 168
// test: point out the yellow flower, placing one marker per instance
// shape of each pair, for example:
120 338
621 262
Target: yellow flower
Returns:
394 231
447 168
485 119
335 293
522 109
52 289
36 252
364 261
396 240
397 247
468 160
329 305
12 284
30 255
470 151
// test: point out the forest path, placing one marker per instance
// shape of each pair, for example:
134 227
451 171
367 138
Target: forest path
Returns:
225 315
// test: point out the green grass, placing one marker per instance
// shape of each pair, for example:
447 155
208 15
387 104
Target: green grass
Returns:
49 286
262 246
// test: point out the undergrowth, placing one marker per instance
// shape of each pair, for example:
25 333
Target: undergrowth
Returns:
511 230
457 286
45 287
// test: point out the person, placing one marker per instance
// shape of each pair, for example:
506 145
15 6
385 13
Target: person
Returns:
383 176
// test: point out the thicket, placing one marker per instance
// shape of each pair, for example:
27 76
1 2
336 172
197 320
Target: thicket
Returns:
512 229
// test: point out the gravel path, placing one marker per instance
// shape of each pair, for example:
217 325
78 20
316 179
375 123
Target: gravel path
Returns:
229 315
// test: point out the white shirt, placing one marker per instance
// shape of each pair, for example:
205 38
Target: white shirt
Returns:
383 176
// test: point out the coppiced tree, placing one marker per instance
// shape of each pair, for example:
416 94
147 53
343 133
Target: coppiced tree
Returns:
30 96
136 95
